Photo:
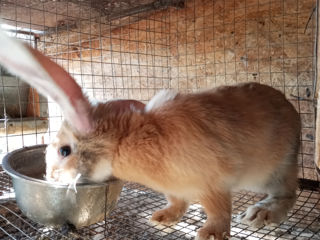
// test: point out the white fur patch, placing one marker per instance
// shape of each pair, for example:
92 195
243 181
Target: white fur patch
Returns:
102 171
160 99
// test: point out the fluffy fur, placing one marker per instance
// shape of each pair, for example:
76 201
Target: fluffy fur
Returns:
200 147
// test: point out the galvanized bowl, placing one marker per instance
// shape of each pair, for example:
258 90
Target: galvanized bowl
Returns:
52 204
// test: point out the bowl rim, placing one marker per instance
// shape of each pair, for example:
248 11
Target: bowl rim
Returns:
14 174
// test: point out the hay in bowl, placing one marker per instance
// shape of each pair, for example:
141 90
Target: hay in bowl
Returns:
53 204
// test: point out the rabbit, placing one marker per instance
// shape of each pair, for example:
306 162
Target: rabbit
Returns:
191 147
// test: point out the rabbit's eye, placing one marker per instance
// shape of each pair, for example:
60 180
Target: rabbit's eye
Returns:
65 151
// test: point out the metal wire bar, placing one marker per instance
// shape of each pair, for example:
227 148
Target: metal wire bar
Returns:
202 45
130 219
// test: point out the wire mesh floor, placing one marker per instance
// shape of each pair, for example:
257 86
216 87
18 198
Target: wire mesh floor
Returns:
130 219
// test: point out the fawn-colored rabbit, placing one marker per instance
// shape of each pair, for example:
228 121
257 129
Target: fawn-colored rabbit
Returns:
199 146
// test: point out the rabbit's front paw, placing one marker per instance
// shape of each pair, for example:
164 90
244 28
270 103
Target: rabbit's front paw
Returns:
166 217
172 213
210 232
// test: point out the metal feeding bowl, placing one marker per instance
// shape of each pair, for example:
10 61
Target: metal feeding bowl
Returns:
52 204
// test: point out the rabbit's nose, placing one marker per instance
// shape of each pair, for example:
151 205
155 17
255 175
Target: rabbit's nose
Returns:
64 176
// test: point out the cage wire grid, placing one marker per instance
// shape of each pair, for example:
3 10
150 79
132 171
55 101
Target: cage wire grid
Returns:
125 49
130 219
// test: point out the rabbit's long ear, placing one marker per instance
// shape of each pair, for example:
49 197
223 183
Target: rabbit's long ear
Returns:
49 79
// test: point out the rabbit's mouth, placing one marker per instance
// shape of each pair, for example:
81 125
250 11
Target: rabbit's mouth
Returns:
62 176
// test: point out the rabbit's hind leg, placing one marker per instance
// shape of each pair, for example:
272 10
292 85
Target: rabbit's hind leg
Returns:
270 211
281 190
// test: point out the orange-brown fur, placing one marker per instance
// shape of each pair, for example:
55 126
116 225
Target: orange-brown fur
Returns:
185 137
201 147
196 146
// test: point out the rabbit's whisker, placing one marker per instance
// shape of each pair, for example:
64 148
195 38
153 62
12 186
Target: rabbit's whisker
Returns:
73 184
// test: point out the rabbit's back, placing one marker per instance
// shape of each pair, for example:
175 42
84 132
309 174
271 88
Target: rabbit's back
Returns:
236 134
234 137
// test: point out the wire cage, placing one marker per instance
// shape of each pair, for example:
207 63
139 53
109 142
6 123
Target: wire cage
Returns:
132 49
